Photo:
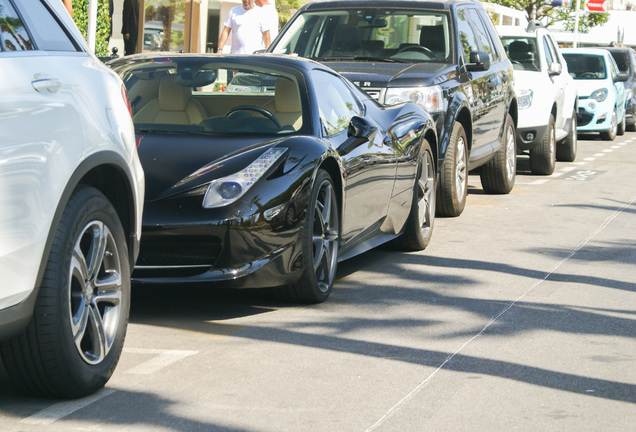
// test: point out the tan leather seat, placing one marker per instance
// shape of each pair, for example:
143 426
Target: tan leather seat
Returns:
287 106
173 105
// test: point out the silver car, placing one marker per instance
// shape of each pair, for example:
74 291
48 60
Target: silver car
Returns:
71 194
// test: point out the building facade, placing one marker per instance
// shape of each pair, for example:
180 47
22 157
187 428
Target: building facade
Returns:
172 25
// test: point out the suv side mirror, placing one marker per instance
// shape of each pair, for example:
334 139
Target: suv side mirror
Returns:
479 61
555 69
622 77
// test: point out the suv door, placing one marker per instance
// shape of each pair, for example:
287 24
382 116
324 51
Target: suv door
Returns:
33 87
487 120
552 58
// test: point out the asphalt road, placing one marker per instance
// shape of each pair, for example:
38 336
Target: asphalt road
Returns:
520 316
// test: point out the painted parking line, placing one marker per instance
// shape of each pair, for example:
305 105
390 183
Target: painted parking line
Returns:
60 410
161 359
599 154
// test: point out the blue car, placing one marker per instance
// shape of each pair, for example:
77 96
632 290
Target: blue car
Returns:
601 101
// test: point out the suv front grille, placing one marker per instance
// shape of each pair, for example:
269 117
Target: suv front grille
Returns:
373 92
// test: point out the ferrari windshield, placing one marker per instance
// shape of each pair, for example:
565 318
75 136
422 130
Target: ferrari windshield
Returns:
203 95
372 34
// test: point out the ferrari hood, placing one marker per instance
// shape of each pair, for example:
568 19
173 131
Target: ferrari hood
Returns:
175 163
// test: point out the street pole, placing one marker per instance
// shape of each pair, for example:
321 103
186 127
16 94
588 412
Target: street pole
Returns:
91 29
576 22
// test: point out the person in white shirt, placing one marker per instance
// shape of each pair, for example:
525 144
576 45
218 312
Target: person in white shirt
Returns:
248 34
270 17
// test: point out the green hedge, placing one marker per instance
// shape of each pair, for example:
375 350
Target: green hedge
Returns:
80 16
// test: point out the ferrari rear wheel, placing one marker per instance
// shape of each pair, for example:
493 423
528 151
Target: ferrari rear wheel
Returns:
419 226
321 237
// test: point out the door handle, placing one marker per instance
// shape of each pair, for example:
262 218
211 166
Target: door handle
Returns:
46 84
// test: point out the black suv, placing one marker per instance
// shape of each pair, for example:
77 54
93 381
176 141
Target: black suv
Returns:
445 56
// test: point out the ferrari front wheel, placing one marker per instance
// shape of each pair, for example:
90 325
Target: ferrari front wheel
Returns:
320 245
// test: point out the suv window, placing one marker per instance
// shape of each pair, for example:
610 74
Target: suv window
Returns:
622 61
482 35
549 55
46 30
522 52
466 34
13 34
402 35
335 102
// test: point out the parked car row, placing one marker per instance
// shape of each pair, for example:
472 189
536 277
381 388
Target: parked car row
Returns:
358 127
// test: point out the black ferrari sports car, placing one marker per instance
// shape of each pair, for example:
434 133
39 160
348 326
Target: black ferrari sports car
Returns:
266 170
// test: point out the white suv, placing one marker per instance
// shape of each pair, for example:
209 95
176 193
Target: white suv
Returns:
546 95
71 197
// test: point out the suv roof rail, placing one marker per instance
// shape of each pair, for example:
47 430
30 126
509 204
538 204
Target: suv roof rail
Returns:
533 25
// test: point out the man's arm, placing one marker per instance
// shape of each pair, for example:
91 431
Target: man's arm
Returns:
266 39
224 34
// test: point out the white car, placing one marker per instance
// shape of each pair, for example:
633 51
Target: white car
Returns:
546 93
71 197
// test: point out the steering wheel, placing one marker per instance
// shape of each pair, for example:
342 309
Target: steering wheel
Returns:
417 48
587 75
268 115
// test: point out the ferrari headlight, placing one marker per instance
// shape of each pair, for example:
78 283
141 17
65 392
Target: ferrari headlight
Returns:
599 95
228 189
524 98
430 98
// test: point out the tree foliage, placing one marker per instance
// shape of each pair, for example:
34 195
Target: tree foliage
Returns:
287 8
549 15
80 16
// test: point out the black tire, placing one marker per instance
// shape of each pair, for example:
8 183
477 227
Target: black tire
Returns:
610 135
543 157
498 175
84 296
419 226
566 150
320 245
620 128
453 181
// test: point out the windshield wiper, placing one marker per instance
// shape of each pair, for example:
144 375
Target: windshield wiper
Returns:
367 58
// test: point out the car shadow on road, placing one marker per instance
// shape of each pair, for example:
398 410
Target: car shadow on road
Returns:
198 310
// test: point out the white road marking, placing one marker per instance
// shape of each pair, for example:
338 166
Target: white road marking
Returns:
162 359
609 150
60 410
590 159
533 182
568 169
599 154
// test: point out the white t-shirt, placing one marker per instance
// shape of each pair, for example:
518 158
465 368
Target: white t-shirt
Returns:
247 30
270 20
